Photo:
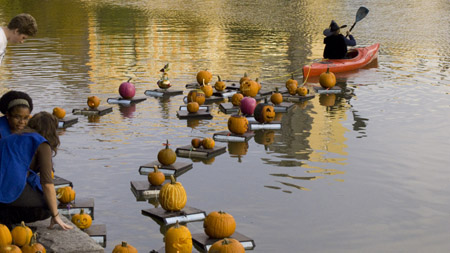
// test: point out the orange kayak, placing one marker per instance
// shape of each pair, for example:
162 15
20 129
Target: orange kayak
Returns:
360 57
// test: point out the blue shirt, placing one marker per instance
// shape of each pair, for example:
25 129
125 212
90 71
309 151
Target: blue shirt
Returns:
16 154
5 130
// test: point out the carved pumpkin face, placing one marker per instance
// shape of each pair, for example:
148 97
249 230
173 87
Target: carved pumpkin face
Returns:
167 156
93 102
220 85
327 79
204 75
243 79
237 124
264 113
82 220
250 88
193 107
65 195
219 225
236 99
59 112
178 239
196 96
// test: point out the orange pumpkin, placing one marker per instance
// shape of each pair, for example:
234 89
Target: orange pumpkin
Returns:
33 246
82 220
10 249
291 85
276 98
5 236
93 102
327 79
264 113
227 245
237 124
207 89
196 143
193 107
156 177
178 239
243 79
219 225
124 247
167 156
220 85
302 91
21 235
236 99
65 195
208 143
59 112
196 96
204 75
250 88
172 195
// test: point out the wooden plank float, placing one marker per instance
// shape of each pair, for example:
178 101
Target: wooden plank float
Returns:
142 190
176 169
75 207
202 242
201 114
228 108
283 107
255 125
123 101
61 182
201 107
98 233
100 111
67 122
190 152
187 214
227 136
162 93
209 100
334 90
225 93
296 98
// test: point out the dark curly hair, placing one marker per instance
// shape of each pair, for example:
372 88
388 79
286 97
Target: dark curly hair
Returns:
25 23
10 96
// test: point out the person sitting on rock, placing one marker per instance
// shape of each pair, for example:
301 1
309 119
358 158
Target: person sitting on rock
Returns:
336 43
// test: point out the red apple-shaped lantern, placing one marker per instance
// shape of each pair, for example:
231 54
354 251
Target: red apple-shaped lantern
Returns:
248 105
127 90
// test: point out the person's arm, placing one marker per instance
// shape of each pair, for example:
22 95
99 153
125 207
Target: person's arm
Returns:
44 159
350 41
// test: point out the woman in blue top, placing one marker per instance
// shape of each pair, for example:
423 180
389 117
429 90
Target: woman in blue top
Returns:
25 196
16 107
336 43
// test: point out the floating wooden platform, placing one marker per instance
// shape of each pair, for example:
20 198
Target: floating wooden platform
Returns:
176 169
201 107
162 93
296 98
201 114
283 107
210 100
187 214
254 125
101 110
124 101
143 190
228 108
225 93
202 242
98 233
190 152
334 90
61 182
67 122
75 206
197 86
226 136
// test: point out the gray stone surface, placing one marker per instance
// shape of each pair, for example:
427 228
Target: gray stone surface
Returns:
67 241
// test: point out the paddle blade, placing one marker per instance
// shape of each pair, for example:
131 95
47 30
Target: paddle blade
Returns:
361 13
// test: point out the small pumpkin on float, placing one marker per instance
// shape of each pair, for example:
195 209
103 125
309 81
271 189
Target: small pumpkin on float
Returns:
21 235
208 143
178 239
302 91
236 99
264 113
196 96
250 88
167 156
82 220
327 79
237 123
193 107
227 245
220 85
156 177
207 89
172 195
291 85
93 102
33 246
196 142
277 97
5 235
10 249
59 112
219 224
65 194
204 75
124 247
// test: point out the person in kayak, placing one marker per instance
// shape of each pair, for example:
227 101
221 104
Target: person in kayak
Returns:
336 43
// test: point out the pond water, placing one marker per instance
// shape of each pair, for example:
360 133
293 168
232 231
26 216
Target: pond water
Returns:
360 173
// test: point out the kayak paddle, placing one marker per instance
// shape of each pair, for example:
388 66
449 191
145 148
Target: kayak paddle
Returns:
360 14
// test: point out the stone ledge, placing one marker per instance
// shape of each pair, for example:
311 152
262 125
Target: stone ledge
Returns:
67 241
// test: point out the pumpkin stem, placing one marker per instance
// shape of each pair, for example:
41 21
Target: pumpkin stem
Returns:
225 241
129 79
172 179
33 239
166 144
219 78
156 168
22 224
82 211
328 70
124 244
245 74
292 76
276 89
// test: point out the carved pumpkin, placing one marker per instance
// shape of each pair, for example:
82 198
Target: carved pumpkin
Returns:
156 177
178 239
250 88
33 246
124 247
276 98
236 99
207 89
220 85
193 107
264 113
196 142
82 220
167 156
248 105
65 195
327 79
237 124
59 112
172 195
208 143
93 102
291 85
302 91
196 96
5 236
204 75
327 99
227 245
219 225
265 137
243 79
21 235
10 249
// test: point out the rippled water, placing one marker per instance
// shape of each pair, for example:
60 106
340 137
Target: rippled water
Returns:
361 173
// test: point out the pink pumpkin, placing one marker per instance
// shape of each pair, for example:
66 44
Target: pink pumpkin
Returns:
248 105
127 90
